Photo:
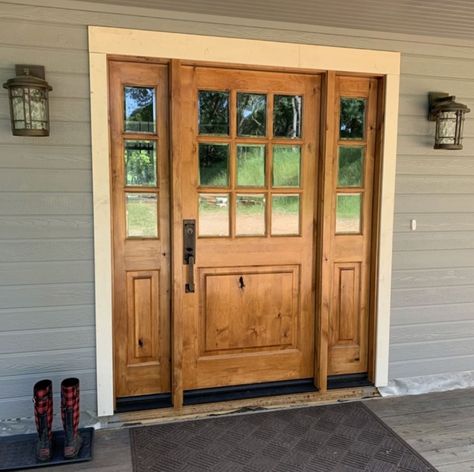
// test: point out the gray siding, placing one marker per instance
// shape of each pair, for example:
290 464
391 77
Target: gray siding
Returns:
46 247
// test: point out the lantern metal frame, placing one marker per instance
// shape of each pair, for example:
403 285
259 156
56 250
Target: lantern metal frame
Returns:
440 104
28 78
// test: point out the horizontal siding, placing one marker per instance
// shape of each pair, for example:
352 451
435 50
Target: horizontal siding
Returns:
46 245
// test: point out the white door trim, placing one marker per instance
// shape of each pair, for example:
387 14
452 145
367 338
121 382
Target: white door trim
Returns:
104 41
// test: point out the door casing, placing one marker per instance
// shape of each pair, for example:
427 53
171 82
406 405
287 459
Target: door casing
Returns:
105 41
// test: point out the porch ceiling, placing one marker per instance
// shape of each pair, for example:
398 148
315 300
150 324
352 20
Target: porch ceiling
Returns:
444 18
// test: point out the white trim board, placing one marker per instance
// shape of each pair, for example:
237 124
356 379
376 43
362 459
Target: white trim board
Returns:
104 41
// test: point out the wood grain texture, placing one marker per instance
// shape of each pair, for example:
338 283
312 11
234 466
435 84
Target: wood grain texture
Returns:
69 149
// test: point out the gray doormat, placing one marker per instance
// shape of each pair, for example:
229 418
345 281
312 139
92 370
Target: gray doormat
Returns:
341 437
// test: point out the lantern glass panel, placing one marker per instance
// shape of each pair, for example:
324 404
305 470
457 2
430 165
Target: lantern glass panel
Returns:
447 127
38 109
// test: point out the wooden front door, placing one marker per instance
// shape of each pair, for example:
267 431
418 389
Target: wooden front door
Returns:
245 171
214 176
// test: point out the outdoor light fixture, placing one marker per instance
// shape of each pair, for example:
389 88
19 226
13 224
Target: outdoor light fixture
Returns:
29 107
449 117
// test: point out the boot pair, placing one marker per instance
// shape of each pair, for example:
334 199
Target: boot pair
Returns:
43 401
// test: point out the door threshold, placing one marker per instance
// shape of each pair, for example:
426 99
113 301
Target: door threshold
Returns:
143 402
167 415
348 381
241 392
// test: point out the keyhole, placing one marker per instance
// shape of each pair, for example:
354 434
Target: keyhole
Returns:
140 342
241 282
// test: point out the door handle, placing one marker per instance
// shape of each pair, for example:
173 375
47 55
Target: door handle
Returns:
189 252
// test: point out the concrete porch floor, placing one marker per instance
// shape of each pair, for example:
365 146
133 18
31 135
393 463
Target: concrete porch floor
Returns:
438 425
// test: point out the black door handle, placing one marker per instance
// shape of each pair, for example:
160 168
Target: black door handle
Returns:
189 252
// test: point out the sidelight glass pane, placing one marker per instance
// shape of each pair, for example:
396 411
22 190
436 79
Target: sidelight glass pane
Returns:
140 109
140 163
250 166
286 166
250 215
213 112
142 215
348 213
214 165
352 119
287 118
350 171
214 214
285 215
251 114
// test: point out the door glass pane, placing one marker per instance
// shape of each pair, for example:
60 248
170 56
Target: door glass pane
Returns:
250 166
286 166
285 215
250 215
350 166
348 213
140 110
213 112
142 215
140 163
352 121
213 165
287 116
251 114
213 214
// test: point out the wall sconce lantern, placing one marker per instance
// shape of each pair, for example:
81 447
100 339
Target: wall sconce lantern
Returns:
449 117
29 106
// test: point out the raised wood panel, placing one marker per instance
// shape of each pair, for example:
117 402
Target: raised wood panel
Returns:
29 203
246 309
143 316
345 329
49 294
35 227
432 278
40 340
46 250
27 273
14 319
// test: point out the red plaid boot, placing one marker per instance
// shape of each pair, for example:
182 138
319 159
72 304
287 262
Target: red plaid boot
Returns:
43 400
70 417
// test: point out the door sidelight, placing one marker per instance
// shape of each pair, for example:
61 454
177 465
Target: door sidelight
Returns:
189 252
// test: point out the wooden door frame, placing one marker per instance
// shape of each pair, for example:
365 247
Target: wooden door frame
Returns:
104 42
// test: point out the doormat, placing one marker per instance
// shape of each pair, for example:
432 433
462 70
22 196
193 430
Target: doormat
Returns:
341 437
18 452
